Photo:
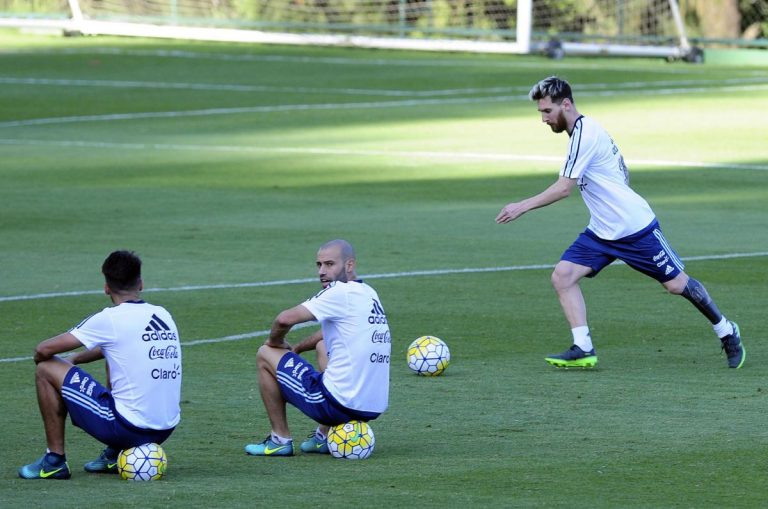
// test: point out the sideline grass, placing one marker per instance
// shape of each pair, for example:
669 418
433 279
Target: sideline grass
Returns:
242 197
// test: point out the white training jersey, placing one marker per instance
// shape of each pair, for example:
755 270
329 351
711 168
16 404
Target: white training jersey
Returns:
359 345
140 343
603 179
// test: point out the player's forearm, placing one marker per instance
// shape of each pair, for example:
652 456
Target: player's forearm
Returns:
283 323
47 349
554 193
277 334
309 343
87 356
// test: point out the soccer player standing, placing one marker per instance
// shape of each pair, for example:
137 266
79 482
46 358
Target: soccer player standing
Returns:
140 404
353 353
621 226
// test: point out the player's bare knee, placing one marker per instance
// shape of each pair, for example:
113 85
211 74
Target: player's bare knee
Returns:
562 277
53 370
268 357
262 353
677 285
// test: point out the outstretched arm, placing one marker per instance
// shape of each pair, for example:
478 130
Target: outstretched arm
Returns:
560 189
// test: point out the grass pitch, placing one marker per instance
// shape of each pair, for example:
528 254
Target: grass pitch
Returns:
225 166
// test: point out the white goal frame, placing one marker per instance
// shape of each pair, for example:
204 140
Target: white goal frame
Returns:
523 43
683 51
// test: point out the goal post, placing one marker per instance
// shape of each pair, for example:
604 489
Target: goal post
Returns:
642 28
428 25
554 27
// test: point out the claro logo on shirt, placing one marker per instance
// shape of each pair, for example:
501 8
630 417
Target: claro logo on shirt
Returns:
167 374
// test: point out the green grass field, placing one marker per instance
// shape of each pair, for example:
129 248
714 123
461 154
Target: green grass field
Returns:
226 166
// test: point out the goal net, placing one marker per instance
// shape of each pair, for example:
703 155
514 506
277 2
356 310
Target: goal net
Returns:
613 27
557 27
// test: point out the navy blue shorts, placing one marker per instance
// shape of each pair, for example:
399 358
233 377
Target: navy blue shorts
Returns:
92 409
302 386
646 251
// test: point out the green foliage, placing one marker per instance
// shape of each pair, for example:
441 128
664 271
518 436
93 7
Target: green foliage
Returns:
33 6
410 156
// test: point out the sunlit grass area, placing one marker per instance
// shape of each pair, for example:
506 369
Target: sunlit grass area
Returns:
225 167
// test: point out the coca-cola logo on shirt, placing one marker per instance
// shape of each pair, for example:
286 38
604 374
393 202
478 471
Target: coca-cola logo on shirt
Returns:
167 352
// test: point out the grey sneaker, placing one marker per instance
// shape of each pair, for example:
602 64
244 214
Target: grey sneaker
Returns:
106 463
44 469
733 348
574 357
314 445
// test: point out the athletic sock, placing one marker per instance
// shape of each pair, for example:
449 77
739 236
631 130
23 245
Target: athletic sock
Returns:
320 435
280 440
723 328
582 338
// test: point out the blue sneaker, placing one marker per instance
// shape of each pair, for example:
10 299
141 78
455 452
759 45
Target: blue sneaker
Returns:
269 448
734 350
106 463
574 357
45 469
314 445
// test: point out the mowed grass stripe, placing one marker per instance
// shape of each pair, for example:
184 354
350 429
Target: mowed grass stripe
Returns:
362 152
339 106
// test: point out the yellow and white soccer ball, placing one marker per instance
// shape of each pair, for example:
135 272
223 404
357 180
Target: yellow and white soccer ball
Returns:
428 356
353 440
146 462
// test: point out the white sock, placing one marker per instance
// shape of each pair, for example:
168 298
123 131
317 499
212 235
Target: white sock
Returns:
723 328
582 338
320 435
280 440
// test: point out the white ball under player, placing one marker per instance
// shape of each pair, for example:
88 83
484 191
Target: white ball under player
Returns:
621 226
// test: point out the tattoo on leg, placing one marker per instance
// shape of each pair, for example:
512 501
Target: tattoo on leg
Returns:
697 294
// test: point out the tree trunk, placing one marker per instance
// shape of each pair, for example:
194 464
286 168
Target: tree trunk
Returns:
718 18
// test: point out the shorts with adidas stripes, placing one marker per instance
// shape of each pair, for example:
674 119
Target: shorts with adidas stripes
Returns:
646 251
302 386
92 409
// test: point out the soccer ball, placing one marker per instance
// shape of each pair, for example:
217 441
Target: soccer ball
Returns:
353 440
428 356
146 462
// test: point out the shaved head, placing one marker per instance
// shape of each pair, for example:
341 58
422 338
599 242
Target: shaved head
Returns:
336 262
344 247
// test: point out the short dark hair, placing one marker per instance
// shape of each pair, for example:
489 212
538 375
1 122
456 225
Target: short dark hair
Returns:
122 271
552 87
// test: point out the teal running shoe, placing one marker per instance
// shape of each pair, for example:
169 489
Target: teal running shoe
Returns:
44 468
315 445
734 350
574 357
269 448
106 463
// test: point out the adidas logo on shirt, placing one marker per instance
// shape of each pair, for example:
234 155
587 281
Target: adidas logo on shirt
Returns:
669 269
158 330
75 378
377 313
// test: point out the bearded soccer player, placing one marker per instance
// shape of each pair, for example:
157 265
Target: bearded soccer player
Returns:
353 347
622 226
